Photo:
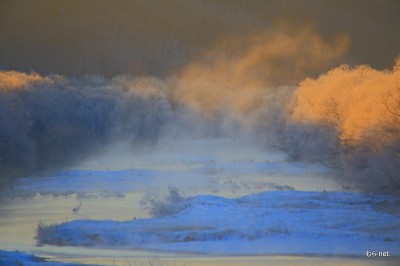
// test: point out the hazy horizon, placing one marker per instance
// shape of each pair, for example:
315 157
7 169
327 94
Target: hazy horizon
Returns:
161 38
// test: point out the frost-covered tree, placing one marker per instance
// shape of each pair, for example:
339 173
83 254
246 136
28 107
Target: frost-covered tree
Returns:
51 122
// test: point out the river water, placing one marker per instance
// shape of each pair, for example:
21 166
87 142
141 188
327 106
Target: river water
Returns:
20 216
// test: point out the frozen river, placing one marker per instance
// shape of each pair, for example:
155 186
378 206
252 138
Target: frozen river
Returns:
108 191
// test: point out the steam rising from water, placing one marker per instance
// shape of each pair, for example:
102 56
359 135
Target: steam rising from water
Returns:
242 88
238 72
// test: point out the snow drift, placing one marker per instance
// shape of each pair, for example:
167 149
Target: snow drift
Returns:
279 222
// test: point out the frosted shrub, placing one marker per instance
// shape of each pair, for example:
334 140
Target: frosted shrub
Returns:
173 203
348 119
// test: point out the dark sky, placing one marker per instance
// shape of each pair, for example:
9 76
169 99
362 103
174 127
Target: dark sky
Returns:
150 37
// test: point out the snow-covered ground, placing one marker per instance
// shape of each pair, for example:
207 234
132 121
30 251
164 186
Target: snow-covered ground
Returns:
276 222
15 258
237 200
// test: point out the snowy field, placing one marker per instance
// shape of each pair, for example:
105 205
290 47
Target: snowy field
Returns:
279 222
201 201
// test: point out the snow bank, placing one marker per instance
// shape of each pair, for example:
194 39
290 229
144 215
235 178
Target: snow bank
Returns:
276 222
12 258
